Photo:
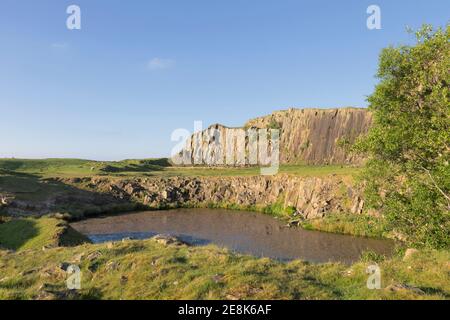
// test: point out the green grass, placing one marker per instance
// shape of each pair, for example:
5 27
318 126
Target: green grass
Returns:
358 225
79 167
150 167
298 170
25 234
148 270
30 188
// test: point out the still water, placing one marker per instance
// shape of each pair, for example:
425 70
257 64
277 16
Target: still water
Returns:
244 232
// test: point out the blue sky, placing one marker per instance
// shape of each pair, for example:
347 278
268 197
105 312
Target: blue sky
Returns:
137 70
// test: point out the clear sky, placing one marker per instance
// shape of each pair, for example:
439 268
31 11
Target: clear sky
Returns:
139 69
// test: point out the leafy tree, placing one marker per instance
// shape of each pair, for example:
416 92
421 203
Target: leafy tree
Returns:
408 173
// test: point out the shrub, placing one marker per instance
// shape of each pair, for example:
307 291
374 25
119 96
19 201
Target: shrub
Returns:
408 176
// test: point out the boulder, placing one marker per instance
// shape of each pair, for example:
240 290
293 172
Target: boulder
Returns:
167 240
404 288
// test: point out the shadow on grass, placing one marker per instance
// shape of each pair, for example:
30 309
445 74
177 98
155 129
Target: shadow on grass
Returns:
33 196
92 294
10 165
16 182
139 166
435 291
14 234
131 168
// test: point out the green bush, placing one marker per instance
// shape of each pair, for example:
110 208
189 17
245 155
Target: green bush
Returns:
408 176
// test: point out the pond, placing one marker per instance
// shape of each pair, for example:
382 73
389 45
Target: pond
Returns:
244 232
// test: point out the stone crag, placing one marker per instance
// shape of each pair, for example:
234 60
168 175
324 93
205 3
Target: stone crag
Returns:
309 197
312 136
317 136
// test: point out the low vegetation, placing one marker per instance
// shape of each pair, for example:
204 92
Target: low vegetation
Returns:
359 225
48 168
151 270
34 234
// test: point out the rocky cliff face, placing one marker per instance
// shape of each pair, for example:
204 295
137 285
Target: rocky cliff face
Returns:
314 136
318 136
309 197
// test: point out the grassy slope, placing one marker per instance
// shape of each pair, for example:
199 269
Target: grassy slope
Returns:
148 270
79 167
148 167
24 234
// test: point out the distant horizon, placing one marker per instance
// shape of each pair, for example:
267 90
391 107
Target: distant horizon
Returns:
119 83
168 156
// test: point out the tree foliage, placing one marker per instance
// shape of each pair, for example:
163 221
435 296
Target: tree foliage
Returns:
407 173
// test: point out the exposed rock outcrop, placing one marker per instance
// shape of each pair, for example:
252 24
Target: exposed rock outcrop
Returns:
310 197
315 136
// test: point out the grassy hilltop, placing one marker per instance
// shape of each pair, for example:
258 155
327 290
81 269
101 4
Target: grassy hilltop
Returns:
149 167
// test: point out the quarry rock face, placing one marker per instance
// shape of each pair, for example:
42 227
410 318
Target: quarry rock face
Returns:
318 136
309 197
313 136
219 145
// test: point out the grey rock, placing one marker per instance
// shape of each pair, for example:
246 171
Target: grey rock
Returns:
167 240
